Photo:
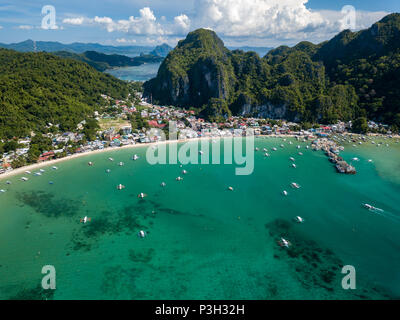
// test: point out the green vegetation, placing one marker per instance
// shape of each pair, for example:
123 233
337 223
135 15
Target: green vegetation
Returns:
351 76
360 125
39 88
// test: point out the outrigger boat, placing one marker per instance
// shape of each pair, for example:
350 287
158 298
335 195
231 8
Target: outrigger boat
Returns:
295 185
284 243
371 208
135 157
179 178
142 234
120 187
121 164
299 219
163 184
142 195
86 219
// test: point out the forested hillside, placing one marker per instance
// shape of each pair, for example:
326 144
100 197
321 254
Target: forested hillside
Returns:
40 88
356 74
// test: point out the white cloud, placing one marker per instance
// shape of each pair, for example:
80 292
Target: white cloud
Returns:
257 18
238 22
74 21
182 24
145 24
123 40
25 27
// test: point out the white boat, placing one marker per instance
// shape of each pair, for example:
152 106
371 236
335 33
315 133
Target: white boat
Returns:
256 149
299 219
294 165
184 171
120 187
355 159
86 219
292 159
2 190
28 172
142 195
266 154
121 164
111 159
372 208
179 178
298 147
274 149
163 184
300 153
108 170
24 179
37 174
141 234
55 168
135 157
370 160
90 163
285 193
42 170
230 188
295 185
201 152
282 146
284 243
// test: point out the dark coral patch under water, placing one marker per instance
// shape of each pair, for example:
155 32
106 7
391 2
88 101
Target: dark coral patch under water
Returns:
314 266
47 204
36 293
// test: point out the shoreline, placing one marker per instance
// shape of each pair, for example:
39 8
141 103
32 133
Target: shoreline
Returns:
35 166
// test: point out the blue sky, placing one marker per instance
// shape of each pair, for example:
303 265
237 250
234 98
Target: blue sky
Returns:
151 22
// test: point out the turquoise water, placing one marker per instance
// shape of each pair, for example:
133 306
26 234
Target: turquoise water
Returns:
143 72
203 241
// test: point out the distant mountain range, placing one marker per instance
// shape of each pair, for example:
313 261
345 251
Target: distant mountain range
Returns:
77 47
102 62
51 46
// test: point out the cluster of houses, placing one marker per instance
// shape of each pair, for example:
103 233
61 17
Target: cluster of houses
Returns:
187 125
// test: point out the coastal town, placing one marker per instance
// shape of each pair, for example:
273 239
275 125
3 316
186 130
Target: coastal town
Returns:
118 128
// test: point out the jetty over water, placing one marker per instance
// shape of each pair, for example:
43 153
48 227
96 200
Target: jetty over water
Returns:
332 151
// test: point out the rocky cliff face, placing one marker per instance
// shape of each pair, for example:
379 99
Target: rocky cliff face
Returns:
352 75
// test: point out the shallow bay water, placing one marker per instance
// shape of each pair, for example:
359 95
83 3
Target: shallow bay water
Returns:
204 241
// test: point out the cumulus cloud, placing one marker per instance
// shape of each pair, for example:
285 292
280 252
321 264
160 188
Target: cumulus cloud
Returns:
182 23
255 22
256 18
145 24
